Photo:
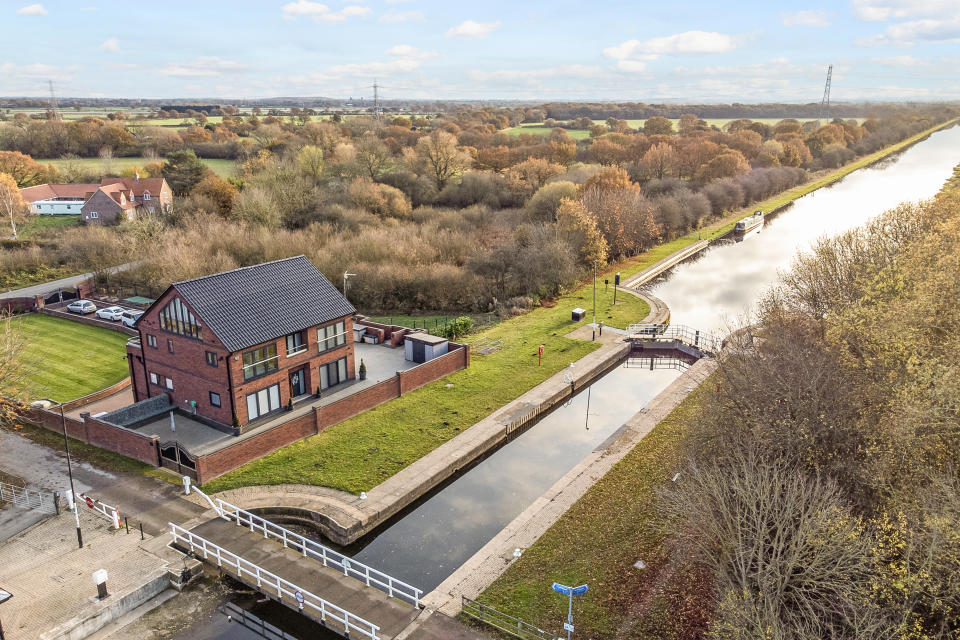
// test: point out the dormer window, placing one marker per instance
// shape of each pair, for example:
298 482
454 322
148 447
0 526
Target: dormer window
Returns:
146 195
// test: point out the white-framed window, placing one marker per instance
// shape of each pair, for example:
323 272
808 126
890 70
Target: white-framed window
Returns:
146 195
332 336
154 379
170 384
94 214
263 402
296 343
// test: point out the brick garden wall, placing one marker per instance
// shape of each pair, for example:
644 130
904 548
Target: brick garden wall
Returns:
218 463
124 441
96 395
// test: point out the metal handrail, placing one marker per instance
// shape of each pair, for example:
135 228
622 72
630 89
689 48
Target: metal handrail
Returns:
499 620
309 548
265 579
30 498
101 507
689 335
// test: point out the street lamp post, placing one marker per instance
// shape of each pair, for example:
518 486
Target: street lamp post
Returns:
594 300
73 494
345 276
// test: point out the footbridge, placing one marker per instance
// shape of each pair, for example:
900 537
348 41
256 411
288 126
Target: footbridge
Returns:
346 596
673 337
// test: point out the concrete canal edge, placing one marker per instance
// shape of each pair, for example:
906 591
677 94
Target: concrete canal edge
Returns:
487 564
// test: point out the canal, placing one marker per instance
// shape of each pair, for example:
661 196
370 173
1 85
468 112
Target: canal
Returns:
427 542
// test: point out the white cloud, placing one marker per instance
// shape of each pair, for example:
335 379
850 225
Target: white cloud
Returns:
472 29
878 10
906 34
806 18
37 71
202 67
901 61
512 75
352 11
292 10
33 10
408 51
110 44
398 1
403 16
631 66
689 42
319 12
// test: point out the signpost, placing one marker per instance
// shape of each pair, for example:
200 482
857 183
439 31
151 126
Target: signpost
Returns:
569 592
540 356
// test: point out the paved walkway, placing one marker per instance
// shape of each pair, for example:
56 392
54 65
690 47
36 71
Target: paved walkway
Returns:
51 578
62 283
479 572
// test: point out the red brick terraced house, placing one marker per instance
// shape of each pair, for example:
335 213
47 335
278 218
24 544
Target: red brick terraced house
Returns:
237 346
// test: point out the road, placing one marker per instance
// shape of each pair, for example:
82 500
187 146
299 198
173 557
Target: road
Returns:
62 283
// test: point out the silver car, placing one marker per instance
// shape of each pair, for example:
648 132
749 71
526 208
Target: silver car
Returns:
110 313
82 307
129 318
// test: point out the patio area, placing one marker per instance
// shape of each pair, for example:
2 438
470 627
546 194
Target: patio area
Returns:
200 439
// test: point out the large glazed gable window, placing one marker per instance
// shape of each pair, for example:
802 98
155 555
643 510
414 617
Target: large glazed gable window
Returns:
176 318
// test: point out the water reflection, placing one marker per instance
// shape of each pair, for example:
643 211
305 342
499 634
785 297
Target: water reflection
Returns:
729 277
427 544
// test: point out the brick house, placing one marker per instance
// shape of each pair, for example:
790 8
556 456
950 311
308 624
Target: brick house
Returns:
238 345
114 196
122 197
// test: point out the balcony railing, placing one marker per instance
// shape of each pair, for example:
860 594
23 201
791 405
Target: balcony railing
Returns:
134 342
295 350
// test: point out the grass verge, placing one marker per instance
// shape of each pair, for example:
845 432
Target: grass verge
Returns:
64 360
359 453
39 225
598 540
80 451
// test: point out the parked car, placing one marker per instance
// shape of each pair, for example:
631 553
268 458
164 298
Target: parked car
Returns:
110 313
81 306
129 317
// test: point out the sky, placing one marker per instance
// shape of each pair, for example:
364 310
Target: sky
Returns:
700 51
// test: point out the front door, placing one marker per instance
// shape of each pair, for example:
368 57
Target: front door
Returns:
298 383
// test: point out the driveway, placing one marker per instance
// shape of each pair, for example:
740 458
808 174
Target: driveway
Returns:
63 283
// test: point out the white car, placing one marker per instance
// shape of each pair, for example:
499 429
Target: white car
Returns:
129 318
110 313
82 307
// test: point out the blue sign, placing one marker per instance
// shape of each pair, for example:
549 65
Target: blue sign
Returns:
567 591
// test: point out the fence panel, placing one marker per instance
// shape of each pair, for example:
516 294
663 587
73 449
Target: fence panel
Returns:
499 620
29 498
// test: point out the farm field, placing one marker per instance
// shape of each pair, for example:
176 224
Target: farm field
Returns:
537 128
66 360
221 167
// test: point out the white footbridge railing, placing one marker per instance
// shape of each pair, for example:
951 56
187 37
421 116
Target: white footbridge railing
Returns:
682 333
330 558
271 583
309 548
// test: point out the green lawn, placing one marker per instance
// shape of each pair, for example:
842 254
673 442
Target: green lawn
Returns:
65 360
37 225
222 167
576 134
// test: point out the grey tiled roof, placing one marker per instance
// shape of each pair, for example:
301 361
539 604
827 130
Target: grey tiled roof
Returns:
256 304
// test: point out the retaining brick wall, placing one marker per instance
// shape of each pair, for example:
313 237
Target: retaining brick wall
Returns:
51 420
96 395
358 402
454 360
124 441
12 305
220 462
